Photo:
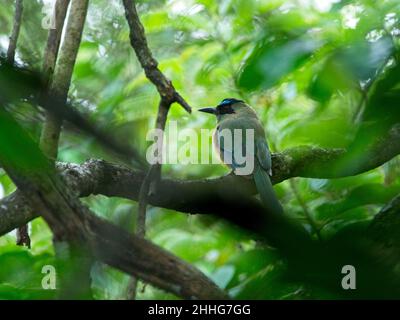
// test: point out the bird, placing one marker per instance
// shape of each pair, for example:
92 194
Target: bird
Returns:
233 114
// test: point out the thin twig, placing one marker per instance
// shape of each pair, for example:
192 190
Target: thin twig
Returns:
168 95
149 184
23 238
148 62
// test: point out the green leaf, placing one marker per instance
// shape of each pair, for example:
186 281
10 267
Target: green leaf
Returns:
270 62
347 67
363 195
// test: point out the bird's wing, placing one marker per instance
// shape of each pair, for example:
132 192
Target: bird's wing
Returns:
263 154
261 149
225 149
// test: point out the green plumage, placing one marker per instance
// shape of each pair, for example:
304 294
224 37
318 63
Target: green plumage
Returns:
266 191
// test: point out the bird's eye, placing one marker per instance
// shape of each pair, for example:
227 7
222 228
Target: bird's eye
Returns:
225 109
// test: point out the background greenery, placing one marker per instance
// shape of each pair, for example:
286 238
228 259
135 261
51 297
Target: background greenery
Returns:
302 64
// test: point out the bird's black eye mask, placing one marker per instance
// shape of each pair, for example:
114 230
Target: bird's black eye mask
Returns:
225 107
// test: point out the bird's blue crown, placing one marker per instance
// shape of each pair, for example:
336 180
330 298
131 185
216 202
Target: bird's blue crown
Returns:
229 101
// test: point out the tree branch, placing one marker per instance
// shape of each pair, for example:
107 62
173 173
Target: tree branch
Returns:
57 78
149 184
15 31
37 179
60 83
53 41
168 95
146 59
228 196
23 238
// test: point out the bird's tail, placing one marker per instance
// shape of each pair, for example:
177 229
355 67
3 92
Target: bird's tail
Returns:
266 191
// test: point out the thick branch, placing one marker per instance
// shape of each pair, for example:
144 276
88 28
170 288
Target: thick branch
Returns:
15 31
53 40
57 77
70 221
227 196
50 131
59 86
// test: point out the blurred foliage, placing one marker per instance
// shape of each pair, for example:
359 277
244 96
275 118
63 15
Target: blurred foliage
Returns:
315 71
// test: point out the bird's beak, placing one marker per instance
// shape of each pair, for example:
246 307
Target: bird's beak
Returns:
208 110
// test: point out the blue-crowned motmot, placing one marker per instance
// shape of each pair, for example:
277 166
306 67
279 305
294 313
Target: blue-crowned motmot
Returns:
233 114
